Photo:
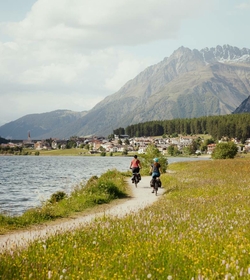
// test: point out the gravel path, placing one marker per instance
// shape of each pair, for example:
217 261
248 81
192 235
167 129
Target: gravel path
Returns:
140 198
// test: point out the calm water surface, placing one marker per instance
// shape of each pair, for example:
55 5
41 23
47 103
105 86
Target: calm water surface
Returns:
26 181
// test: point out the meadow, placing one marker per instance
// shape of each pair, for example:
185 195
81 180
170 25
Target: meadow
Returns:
199 229
67 152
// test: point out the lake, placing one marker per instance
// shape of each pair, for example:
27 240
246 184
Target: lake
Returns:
27 181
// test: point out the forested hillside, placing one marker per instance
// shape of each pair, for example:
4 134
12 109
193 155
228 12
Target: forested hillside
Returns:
232 126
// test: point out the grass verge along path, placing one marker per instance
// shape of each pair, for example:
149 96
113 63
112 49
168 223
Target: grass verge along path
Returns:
198 229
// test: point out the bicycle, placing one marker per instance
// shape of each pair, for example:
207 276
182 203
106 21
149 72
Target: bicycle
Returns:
155 184
136 178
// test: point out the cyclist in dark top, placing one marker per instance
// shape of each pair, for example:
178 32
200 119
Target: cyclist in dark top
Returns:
155 170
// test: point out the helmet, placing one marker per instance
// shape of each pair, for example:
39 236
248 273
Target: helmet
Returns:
156 159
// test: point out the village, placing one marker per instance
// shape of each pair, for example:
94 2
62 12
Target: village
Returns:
124 144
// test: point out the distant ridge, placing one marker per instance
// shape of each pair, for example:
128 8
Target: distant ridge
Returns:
188 84
40 126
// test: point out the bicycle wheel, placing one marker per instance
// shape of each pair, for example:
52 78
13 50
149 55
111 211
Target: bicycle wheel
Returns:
136 180
156 187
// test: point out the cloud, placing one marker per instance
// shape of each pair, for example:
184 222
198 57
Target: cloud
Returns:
243 6
70 54
99 24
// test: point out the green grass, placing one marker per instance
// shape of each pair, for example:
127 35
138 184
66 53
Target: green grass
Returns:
198 230
111 185
67 152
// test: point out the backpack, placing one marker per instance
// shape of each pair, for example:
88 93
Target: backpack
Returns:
159 183
152 183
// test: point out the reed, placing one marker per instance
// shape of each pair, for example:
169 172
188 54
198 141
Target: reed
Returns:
199 229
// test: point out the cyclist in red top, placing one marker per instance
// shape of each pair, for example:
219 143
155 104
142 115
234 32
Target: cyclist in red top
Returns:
135 165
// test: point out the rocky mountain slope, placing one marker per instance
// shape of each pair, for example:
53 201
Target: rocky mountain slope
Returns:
244 107
188 84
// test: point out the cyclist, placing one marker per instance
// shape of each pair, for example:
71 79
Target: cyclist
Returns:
135 165
155 170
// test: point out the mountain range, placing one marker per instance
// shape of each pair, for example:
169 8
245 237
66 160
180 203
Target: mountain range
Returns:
187 84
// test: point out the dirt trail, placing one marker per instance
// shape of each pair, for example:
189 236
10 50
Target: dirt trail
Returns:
140 198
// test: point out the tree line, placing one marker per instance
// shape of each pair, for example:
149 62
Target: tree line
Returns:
231 126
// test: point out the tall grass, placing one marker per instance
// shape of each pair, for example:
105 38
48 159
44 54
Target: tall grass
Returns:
109 186
200 229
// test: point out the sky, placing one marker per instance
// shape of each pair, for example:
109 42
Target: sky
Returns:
71 54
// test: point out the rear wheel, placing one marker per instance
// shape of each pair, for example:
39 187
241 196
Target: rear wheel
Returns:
136 180
156 187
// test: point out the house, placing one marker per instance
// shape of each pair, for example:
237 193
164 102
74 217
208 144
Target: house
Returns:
210 148
54 145
28 144
142 150
38 145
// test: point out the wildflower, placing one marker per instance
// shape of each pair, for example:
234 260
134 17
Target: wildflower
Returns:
49 274
248 270
149 275
64 270
169 277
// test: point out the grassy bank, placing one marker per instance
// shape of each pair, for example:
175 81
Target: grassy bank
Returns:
66 152
111 185
198 230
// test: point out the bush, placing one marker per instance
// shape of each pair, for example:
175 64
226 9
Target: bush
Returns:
56 197
147 159
225 150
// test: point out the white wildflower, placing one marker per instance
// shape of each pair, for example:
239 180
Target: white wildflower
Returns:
49 274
